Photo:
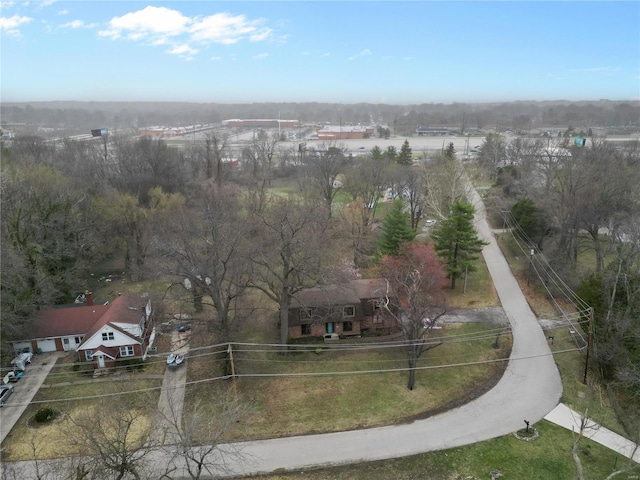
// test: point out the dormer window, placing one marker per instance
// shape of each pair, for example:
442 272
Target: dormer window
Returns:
107 336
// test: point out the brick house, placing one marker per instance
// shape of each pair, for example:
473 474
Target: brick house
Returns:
100 334
347 309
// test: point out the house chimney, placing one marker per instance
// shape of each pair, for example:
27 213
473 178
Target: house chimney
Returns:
89 296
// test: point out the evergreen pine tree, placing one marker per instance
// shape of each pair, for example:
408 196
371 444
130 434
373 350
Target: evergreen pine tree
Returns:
396 230
404 157
457 242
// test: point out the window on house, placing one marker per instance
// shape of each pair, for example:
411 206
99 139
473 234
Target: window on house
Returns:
107 336
65 341
126 351
347 326
305 313
88 355
78 340
349 311
306 329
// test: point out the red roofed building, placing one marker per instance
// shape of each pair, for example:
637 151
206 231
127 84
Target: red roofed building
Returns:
101 334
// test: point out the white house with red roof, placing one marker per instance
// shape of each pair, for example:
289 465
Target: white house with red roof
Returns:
102 334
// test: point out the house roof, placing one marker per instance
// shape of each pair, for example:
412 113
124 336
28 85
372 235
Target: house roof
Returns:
341 294
87 320
60 322
124 309
371 287
108 351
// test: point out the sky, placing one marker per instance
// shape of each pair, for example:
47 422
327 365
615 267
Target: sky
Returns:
390 52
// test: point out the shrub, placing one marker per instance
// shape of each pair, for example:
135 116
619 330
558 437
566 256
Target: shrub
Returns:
45 414
132 364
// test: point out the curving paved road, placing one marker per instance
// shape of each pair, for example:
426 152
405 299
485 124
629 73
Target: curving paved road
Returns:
529 389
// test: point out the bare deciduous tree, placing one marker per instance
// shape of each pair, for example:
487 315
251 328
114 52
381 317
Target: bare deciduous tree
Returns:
293 238
445 183
586 429
415 278
196 438
114 434
321 168
204 246
366 182
214 154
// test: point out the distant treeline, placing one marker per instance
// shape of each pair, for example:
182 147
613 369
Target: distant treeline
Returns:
403 119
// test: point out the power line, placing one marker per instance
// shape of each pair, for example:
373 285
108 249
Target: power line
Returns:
295 375
550 275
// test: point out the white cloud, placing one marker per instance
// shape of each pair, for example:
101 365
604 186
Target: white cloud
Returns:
165 26
156 22
260 56
260 36
364 53
9 25
63 12
184 51
78 24
216 59
228 29
606 70
326 54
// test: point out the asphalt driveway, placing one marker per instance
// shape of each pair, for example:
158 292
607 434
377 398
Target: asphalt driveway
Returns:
25 390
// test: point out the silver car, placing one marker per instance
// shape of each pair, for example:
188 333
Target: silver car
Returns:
5 392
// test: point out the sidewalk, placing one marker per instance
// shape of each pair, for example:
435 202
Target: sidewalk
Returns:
567 418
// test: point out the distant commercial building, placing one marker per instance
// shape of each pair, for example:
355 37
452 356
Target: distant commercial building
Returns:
168 132
260 123
432 131
344 132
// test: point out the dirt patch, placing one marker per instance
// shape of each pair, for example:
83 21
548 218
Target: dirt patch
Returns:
476 315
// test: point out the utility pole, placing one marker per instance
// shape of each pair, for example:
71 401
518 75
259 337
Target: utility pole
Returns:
530 266
586 360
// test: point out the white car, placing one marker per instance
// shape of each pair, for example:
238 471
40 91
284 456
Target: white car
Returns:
429 223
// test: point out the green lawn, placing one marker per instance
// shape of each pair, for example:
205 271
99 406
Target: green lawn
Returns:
546 458
291 405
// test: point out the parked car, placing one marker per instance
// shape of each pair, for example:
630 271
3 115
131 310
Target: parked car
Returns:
12 377
5 393
22 360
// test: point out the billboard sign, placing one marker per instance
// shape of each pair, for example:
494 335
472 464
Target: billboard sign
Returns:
99 132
